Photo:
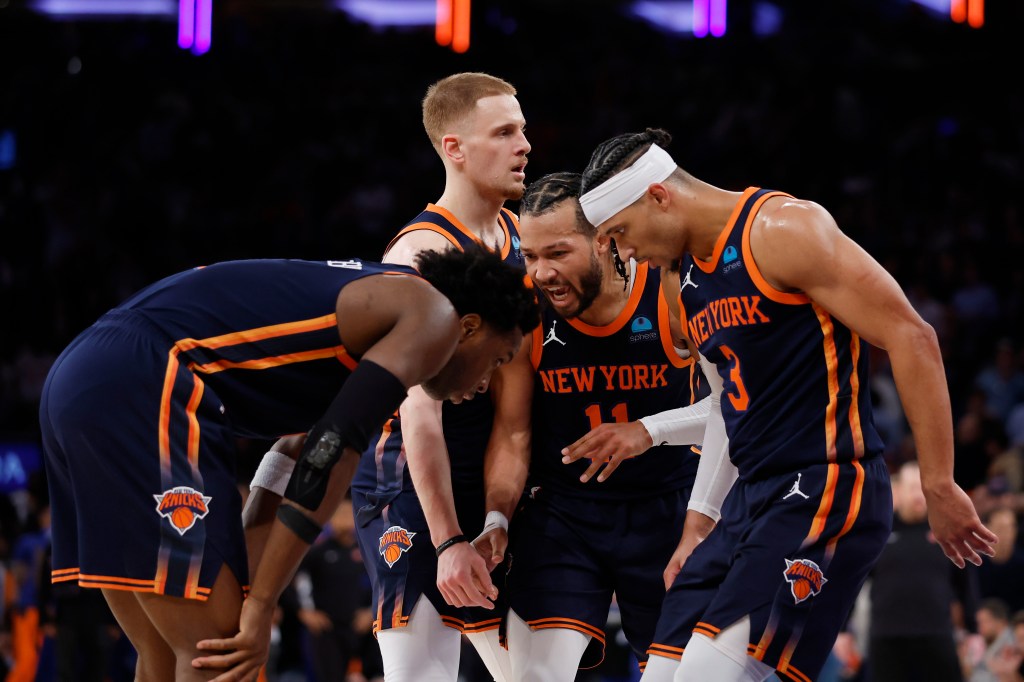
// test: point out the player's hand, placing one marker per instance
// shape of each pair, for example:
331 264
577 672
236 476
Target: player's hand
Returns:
246 652
607 446
491 546
675 564
956 526
463 578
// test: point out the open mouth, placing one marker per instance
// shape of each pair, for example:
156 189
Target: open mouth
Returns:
558 294
520 171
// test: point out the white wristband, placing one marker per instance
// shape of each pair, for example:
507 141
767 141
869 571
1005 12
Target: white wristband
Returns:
273 473
495 519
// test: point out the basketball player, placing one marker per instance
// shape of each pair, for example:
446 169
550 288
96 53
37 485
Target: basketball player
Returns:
781 303
604 352
140 413
421 479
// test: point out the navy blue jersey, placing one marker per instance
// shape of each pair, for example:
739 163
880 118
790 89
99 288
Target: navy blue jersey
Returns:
263 334
620 372
140 413
467 426
796 379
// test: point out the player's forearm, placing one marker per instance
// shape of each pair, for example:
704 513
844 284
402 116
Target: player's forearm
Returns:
284 549
697 527
921 382
506 466
681 426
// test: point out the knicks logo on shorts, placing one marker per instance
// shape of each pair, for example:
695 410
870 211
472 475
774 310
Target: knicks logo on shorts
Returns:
395 542
182 506
804 577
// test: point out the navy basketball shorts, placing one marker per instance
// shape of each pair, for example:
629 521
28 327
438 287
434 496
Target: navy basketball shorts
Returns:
569 555
140 466
791 552
400 560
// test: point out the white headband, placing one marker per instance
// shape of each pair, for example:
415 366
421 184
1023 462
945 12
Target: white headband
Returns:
625 187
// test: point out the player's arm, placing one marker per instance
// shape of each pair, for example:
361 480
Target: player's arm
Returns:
799 247
608 444
409 335
716 475
507 460
462 577
265 492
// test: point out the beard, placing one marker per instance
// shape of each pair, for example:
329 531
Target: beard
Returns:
590 287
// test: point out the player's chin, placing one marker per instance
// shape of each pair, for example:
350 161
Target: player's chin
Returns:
434 390
515 191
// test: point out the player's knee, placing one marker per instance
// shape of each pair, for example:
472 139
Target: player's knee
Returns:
659 669
548 655
710 659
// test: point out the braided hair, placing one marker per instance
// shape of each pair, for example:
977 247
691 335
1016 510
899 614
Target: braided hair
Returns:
610 157
547 193
619 152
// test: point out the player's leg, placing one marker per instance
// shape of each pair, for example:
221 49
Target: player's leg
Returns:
183 622
659 669
424 650
494 656
724 658
155 657
544 655
558 586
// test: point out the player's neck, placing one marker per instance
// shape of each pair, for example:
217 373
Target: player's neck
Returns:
706 224
478 214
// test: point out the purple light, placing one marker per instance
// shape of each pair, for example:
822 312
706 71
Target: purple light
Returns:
701 10
204 26
718 18
103 9
186 23
392 13
674 17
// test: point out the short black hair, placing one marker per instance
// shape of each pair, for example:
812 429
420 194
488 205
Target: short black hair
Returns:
547 193
479 281
618 153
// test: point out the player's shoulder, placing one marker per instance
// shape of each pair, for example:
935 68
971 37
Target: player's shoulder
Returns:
786 219
408 246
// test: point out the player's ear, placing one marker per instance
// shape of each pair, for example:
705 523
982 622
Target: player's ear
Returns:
469 325
659 193
451 148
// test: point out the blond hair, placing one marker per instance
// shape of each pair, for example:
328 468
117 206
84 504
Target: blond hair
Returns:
451 99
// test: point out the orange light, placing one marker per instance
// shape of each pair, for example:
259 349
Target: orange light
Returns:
958 10
443 25
460 26
976 13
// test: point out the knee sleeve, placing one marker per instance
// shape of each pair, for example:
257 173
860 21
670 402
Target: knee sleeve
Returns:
494 656
549 655
659 669
723 659
425 650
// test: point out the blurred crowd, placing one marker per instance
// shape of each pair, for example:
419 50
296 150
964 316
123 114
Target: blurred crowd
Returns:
124 159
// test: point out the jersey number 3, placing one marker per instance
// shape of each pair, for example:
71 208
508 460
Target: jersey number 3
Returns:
737 392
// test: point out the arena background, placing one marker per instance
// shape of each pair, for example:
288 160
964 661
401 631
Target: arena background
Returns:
124 158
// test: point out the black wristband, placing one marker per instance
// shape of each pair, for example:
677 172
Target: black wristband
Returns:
449 542
298 523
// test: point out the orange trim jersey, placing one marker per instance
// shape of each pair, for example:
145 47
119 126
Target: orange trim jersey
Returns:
141 412
618 372
467 426
390 524
796 379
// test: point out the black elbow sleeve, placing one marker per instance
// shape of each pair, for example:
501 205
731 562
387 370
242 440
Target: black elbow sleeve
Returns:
369 397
